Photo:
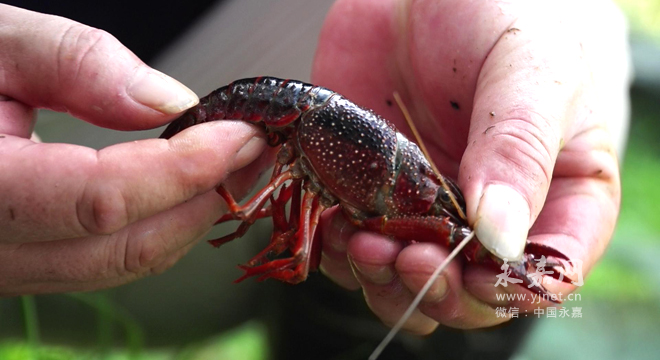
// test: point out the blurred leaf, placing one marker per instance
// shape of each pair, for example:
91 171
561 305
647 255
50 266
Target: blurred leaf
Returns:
612 281
23 351
640 189
111 311
248 342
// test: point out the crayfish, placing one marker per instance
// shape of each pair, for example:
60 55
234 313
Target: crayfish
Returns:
333 152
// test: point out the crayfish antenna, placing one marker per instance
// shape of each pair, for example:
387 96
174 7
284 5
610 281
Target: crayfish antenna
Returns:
420 142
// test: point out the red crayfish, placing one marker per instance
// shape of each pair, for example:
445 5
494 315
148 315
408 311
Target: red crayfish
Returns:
335 152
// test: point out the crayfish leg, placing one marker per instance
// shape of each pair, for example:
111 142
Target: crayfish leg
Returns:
262 213
284 231
421 228
251 211
293 269
242 229
252 206
278 244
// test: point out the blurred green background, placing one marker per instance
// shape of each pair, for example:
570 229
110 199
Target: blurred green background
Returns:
620 301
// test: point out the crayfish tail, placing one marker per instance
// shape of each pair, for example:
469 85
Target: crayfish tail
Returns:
193 116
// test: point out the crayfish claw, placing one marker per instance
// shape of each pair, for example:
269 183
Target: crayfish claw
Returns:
285 270
534 267
556 271
537 250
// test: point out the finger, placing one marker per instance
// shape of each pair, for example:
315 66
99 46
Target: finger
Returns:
144 248
59 191
52 62
336 233
578 217
16 118
373 257
98 262
527 102
447 300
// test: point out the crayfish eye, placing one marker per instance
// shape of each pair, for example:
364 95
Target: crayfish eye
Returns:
444 197
446 206
443 201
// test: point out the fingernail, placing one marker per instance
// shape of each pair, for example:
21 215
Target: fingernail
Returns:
160 92
248 153
437 291
339 232
377 274
503 221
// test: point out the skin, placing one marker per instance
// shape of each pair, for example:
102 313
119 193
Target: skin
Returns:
74 218
530 100
91 219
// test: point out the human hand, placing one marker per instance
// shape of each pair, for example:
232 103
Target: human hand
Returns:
74 218
525 105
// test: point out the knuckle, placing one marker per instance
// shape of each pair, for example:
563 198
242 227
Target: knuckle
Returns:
144 252
152 253
530 147
81 46
102 209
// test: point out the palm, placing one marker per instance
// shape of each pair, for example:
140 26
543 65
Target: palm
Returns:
434 62
500 104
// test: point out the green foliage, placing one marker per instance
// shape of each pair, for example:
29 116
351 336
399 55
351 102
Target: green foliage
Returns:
248 342
641 193
109 312
15 350
628 272
613 281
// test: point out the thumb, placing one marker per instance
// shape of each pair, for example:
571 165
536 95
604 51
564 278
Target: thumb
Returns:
525 103
52 62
